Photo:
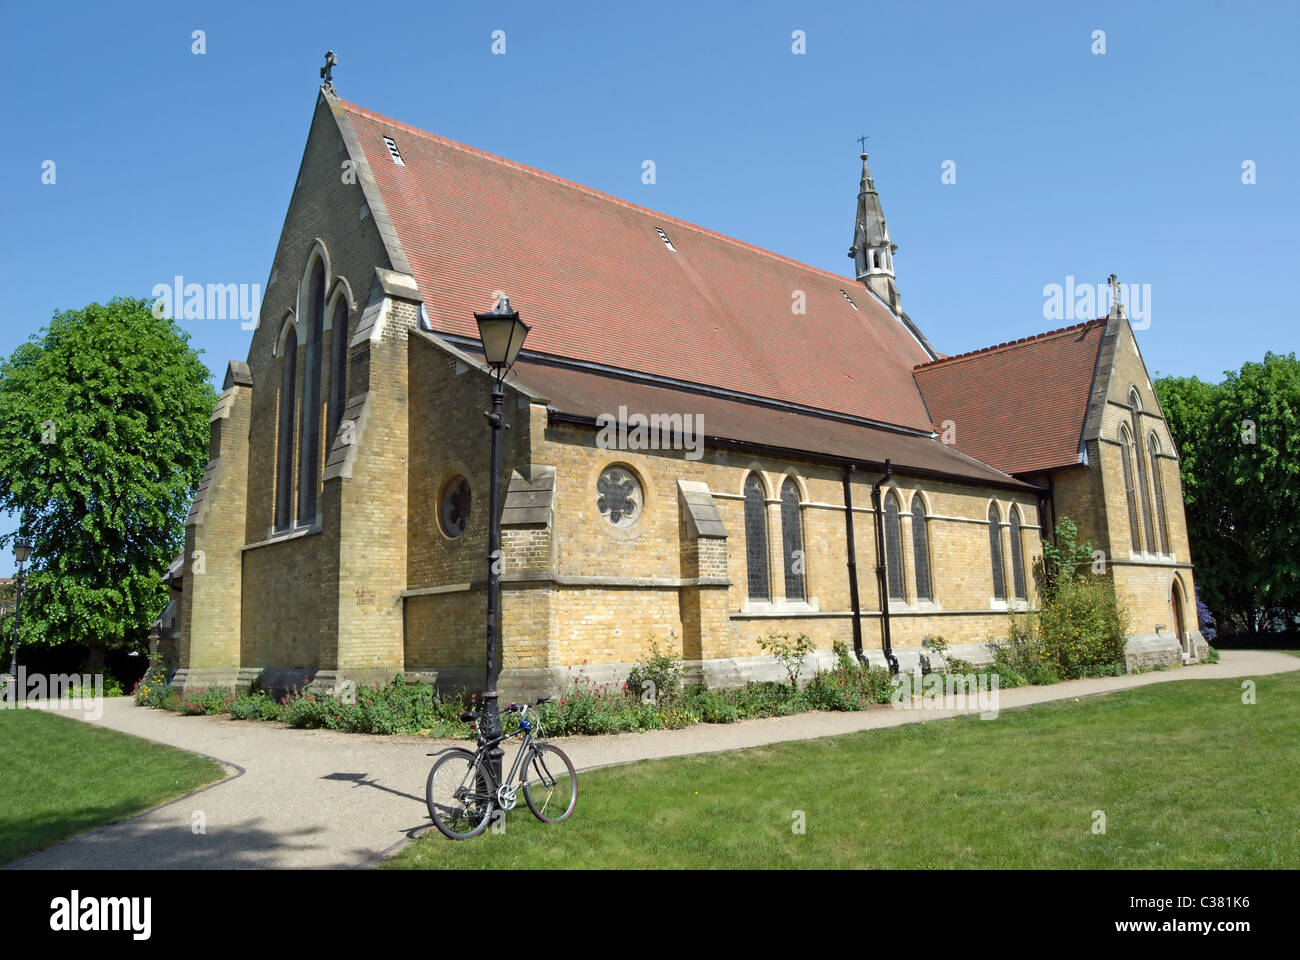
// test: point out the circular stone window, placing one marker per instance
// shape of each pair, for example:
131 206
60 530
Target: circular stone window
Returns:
453 507
618 497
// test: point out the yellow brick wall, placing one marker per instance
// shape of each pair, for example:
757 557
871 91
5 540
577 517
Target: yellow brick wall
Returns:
1143 579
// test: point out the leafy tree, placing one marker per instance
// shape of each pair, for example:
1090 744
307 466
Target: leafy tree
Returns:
103 440
1240 462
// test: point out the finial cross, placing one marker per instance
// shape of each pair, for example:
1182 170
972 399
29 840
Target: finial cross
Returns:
327 71
863 141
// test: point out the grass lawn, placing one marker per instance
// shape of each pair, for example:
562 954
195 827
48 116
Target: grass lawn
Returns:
60 777
1186 775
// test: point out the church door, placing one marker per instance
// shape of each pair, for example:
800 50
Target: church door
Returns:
1176 598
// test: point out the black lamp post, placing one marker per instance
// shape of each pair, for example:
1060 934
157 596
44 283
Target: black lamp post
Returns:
22 551
502 333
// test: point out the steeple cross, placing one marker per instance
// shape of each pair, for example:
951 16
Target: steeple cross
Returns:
327 71
863 141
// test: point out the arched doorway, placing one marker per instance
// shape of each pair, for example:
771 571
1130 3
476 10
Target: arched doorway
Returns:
1176 599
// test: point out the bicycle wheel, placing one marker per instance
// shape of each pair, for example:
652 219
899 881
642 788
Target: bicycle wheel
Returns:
457 793
550 785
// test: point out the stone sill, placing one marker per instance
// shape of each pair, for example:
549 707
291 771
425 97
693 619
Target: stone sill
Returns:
292 534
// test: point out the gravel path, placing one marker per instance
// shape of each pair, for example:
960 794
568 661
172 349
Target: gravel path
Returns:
320 799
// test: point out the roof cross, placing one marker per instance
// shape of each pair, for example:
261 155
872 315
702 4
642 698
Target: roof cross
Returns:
326 72
863 141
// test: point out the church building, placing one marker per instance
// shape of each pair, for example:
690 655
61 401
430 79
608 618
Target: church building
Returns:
708 443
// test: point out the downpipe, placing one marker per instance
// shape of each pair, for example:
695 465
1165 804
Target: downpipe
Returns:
881 584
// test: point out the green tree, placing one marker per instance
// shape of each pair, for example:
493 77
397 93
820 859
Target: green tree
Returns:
1239 443
103 440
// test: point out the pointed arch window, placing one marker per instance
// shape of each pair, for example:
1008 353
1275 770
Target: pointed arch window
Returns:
1126 459
309 442
284 439
760 584
338 367
1157 484
995 553
894 549
920 549
792 541
1017 558
1139 454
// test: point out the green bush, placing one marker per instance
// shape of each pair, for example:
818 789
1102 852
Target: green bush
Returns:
204 702
152 691
587 707
258 705
659 677
1078 631
713 706
850 686
789 655
111 687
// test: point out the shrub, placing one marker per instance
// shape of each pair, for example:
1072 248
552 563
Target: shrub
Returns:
713 706
204 702
1067 562
1022 658
587 708
850 686
111 687
1078 631
939 647
258 705
789 655
1083 627
153 691
659 677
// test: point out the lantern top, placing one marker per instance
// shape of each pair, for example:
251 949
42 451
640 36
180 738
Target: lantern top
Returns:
22 550
502 334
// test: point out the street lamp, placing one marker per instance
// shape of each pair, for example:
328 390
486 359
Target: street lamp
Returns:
502 334
22 551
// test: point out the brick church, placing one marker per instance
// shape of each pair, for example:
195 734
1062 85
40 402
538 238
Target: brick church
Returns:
340 530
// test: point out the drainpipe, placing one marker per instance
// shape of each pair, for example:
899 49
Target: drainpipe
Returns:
853 567
881 585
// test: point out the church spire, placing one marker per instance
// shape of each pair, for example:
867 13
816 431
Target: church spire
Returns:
872 250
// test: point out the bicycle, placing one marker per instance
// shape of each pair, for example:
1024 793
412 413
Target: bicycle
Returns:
462 791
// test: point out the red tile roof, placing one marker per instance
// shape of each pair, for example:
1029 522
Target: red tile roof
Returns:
591 274
1019 406
588 394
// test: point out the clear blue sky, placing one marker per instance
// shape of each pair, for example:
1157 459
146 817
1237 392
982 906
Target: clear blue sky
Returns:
1068 163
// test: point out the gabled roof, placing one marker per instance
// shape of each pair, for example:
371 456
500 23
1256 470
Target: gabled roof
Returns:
593 277
585 394
1019 406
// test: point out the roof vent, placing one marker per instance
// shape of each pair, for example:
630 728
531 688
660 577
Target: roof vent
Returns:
396 154
667 243
849 299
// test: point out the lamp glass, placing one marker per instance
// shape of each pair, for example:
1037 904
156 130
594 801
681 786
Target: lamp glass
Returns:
494 331
503 337
518 333
22 550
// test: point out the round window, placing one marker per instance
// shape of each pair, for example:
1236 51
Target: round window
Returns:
618 496
453 507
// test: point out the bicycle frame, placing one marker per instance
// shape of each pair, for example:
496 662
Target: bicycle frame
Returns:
486 745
